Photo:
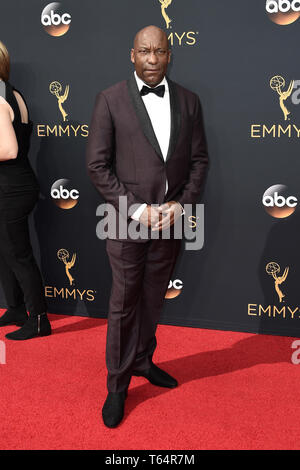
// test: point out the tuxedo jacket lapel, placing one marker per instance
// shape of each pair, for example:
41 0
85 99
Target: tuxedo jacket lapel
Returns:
142 115
175 117
145 121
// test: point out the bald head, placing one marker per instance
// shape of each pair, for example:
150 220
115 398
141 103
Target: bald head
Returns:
152 32
151 54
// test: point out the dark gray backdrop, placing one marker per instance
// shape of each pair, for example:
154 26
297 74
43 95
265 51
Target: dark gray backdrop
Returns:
237 50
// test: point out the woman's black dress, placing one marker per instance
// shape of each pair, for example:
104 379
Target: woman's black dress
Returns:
19 274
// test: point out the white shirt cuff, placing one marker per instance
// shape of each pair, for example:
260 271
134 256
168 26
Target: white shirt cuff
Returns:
136 215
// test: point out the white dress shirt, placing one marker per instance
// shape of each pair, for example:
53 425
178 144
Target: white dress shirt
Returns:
159 112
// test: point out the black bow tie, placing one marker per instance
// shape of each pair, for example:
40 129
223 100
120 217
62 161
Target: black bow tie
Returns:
159 90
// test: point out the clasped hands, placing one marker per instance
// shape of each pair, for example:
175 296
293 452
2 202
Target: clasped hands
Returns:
161 217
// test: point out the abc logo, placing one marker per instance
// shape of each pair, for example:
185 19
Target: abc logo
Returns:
174 289
64 195
278 203
283 12
55 21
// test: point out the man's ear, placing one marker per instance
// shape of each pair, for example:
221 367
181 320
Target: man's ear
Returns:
132 56
169 56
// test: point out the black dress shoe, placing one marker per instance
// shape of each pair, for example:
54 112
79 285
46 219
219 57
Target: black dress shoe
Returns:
157 376
14 316
38 325
113 408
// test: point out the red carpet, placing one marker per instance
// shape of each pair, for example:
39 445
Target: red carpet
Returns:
237 391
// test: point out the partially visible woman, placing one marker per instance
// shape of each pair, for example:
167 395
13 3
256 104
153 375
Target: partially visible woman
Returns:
19 274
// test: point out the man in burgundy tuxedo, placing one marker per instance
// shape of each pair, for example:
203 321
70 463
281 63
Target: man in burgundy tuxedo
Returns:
147 143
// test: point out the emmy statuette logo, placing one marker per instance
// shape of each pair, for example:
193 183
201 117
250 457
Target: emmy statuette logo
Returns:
273 269
65 128
72 292
185 38
55 89
288 96
164 5
279 309
277 83
63 255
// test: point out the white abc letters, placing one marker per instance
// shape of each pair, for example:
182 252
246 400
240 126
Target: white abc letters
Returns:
273 6
177 284
279 201
63 193
54 19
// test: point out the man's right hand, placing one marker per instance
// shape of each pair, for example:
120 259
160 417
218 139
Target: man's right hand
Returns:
150 216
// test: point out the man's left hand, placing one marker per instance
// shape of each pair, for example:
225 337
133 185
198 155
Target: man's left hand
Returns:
170 212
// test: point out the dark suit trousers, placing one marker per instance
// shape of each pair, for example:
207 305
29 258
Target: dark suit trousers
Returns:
140 278
19 274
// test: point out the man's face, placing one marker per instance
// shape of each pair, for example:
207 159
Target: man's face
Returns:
151 56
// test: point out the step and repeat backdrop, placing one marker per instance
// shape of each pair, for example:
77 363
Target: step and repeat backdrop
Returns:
241 58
